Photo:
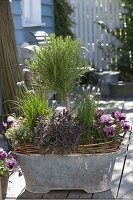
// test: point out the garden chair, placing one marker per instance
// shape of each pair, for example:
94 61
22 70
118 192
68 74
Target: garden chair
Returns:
40 37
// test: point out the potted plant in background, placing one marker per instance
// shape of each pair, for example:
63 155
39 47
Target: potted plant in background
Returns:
7 164
70 151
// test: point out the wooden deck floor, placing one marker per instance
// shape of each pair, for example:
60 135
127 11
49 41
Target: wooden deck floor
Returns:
16 186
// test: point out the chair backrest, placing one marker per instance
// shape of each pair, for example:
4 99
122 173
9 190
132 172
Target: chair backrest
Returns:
40 37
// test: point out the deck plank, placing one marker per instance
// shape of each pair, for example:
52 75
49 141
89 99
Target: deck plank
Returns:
103 195
127 179
118 104
15 185
79 194
29 195
126 189
59 194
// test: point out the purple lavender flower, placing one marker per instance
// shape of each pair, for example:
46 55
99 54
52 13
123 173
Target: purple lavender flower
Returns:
110 131
106 119
122 116
11 163
3 154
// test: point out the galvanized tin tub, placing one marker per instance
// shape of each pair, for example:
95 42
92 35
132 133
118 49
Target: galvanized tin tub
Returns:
89 172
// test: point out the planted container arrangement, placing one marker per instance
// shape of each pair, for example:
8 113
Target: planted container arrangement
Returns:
7 164
69 151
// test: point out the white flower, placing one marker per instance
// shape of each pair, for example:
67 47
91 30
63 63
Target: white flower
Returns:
31 91
11 119
22 82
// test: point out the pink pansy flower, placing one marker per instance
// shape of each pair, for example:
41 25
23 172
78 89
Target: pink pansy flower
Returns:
106 119
110 131
116 114
122 123
11 163
126 125
3 154
122 116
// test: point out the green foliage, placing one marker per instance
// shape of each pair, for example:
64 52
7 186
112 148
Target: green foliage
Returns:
86 113
58 66
7 163
62 16
3 168
122 55
31 106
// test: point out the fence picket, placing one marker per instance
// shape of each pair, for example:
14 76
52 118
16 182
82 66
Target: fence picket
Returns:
86 12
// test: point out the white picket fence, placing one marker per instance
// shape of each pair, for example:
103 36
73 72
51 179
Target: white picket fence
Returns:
86 13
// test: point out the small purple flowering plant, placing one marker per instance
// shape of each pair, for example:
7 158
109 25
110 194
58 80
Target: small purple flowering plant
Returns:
101 126
110 127
7 162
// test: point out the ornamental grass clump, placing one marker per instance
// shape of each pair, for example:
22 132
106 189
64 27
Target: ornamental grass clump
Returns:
86 114
32 105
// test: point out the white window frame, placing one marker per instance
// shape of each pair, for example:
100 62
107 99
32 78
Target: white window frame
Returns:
31 13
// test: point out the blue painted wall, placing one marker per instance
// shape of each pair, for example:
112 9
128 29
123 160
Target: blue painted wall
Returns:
23 34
